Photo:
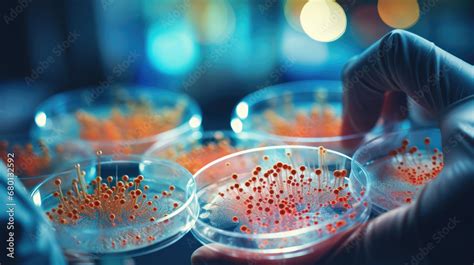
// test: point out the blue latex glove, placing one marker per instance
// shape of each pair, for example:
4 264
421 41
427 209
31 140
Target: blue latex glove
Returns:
439 227
33 241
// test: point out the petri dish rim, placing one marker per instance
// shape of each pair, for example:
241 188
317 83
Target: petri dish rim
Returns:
305 86
364 198
65 98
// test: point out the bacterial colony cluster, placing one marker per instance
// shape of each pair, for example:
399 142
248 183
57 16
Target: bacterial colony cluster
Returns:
415 166
297 122
286 197
112 202
29 163
273 196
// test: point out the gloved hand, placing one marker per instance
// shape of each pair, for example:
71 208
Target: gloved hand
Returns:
439 227
32 241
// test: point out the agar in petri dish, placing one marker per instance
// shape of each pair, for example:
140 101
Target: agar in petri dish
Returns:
141 206
279 200
201 148
300 113
120 120
400 164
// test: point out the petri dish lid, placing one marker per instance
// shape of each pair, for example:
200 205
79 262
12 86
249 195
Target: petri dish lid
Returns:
248 208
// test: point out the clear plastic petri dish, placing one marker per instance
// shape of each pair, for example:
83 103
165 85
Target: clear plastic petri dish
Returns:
279 201
33 160
399 165
300 113
111 207
117 120
201 148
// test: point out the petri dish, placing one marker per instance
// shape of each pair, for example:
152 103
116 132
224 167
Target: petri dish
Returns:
139 205
299 113
279 201
32 160
399 165
117 120
201 148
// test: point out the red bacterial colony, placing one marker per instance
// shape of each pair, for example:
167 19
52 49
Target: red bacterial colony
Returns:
417 167
28 163
112 202
138 122
319 121
286 197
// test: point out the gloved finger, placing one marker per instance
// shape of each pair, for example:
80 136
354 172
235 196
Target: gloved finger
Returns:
394 108
402 61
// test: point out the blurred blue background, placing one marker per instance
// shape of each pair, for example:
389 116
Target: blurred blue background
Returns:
217 51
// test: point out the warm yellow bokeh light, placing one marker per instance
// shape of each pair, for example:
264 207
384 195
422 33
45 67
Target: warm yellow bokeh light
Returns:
214 20
323 20
400 14
293 11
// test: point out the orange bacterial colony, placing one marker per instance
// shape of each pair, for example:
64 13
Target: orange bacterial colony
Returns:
140 121
319 121
415 166
285 197
201 154
123 203
28 162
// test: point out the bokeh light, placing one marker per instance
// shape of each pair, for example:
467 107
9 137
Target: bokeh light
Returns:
399 14
172 50
214 20
366 25
323 20
236 125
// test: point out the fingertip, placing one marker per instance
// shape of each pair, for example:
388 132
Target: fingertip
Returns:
201 256
213 255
